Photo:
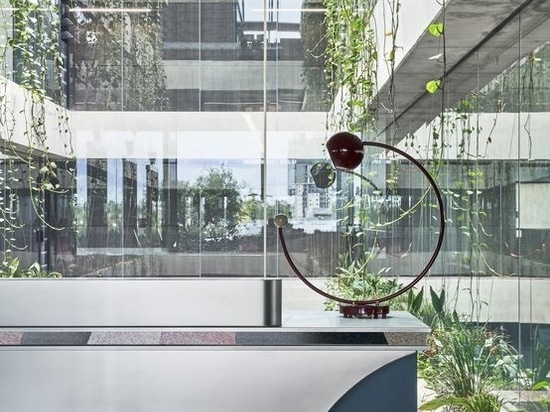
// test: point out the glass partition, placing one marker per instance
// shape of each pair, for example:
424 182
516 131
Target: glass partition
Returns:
192 124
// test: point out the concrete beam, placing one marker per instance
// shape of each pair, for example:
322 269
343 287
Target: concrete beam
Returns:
482 38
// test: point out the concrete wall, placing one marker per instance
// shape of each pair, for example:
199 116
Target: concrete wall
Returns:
184 135
17 104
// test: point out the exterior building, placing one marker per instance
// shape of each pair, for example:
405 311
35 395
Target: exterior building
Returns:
311 201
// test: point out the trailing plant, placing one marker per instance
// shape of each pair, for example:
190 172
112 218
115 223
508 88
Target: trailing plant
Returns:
466 363
118 61
351 59
33 61
458 131
360 275
470 216
314 73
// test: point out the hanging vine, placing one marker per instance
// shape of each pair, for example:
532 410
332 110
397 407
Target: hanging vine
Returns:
119 59
351 59
31 118
355 52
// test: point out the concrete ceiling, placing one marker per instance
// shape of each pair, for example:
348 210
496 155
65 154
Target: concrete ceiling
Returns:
482 38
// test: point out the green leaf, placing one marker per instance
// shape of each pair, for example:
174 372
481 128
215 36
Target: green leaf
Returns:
437 301
435 29
455 317
13 265
433 86
441 401
541 385
34 269
415 301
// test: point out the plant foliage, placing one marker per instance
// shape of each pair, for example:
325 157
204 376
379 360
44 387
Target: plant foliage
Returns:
11 268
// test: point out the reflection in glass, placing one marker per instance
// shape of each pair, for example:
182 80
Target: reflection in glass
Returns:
193 127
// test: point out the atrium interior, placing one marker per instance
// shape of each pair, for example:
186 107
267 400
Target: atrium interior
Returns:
158 140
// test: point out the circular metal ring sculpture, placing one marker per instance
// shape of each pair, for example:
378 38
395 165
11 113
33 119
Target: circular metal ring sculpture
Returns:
346 152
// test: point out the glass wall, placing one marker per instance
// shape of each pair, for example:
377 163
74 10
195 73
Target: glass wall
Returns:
191 124
217 119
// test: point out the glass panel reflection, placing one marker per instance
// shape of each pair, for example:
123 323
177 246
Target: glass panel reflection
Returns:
194 123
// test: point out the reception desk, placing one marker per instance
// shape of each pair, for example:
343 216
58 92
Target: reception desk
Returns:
313 362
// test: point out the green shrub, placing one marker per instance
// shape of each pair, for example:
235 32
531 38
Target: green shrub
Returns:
10 268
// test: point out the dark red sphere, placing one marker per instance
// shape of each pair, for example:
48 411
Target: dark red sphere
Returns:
345 150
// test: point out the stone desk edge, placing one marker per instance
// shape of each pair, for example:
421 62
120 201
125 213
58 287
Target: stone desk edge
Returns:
300 328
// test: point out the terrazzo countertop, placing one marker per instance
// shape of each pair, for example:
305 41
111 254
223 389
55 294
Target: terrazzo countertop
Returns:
303 328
